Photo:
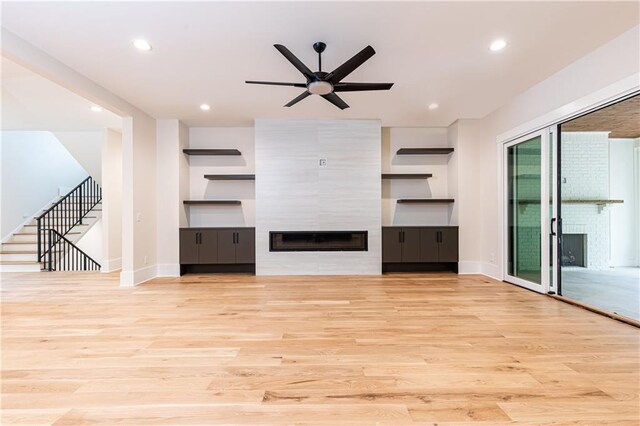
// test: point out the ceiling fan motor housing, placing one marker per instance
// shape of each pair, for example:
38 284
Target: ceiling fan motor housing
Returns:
320 87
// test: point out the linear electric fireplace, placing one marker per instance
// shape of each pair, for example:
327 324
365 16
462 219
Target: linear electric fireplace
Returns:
318 241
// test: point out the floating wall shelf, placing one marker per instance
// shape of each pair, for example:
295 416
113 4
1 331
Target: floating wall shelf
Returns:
598 202
406 175
211 202
230 177
211 152
426 201
424 151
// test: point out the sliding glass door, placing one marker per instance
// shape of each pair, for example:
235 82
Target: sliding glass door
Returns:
527 211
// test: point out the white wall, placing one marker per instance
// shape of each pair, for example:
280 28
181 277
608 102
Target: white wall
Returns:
86 148
139 238
436 186
111 201
293 193
623 185
91 243
479 184
173 187
241 138
35 166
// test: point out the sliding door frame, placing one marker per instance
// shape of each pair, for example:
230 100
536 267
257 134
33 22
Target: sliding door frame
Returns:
615 92
545 167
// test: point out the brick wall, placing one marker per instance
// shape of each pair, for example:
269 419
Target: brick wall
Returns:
585 175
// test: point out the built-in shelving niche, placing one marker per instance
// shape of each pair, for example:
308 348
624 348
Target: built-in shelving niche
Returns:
420 151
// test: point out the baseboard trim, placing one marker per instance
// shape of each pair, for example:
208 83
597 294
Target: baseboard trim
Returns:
111 265
479 268
469 268
491 270
133 278
168 270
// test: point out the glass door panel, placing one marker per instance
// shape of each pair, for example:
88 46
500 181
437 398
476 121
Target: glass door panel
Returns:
524 213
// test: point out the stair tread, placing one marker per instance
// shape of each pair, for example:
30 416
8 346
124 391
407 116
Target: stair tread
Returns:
19 252
18 262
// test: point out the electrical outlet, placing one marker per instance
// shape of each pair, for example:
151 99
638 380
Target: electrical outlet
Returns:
492 258
138 217
146 260
323 162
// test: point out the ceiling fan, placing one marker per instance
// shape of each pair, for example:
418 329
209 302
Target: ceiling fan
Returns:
326 84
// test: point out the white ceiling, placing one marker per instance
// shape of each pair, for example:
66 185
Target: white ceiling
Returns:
203 52
31 102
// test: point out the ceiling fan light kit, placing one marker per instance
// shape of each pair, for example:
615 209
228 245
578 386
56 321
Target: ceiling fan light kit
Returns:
326 84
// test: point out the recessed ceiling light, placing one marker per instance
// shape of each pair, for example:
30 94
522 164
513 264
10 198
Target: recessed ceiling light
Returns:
96 108
205 107
433 106
141 44
498 45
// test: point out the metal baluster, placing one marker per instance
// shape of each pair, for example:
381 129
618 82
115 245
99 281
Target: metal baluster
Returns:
80 205
38 237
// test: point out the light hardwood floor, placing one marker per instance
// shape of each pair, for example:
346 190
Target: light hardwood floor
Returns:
236 349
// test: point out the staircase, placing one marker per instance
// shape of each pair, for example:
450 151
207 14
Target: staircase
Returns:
47 242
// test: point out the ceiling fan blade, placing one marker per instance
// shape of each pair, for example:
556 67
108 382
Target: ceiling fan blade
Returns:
348 67
295 61
298 99
336 100
276 83
357 87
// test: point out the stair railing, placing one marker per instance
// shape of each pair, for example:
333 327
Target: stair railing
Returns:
63 255
66 213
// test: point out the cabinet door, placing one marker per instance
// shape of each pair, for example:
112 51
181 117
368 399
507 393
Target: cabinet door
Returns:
429 245
448 244
410 245
226 246
391 245
208 246
245 246
189 246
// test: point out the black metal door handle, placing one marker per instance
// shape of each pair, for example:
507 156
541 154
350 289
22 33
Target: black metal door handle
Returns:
237 238
553 219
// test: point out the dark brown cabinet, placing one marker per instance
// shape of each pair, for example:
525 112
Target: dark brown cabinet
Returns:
417 248
189 246
198 246
226 246
246 246
217 246
236 246
401 245
448 246
392 245
439 245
